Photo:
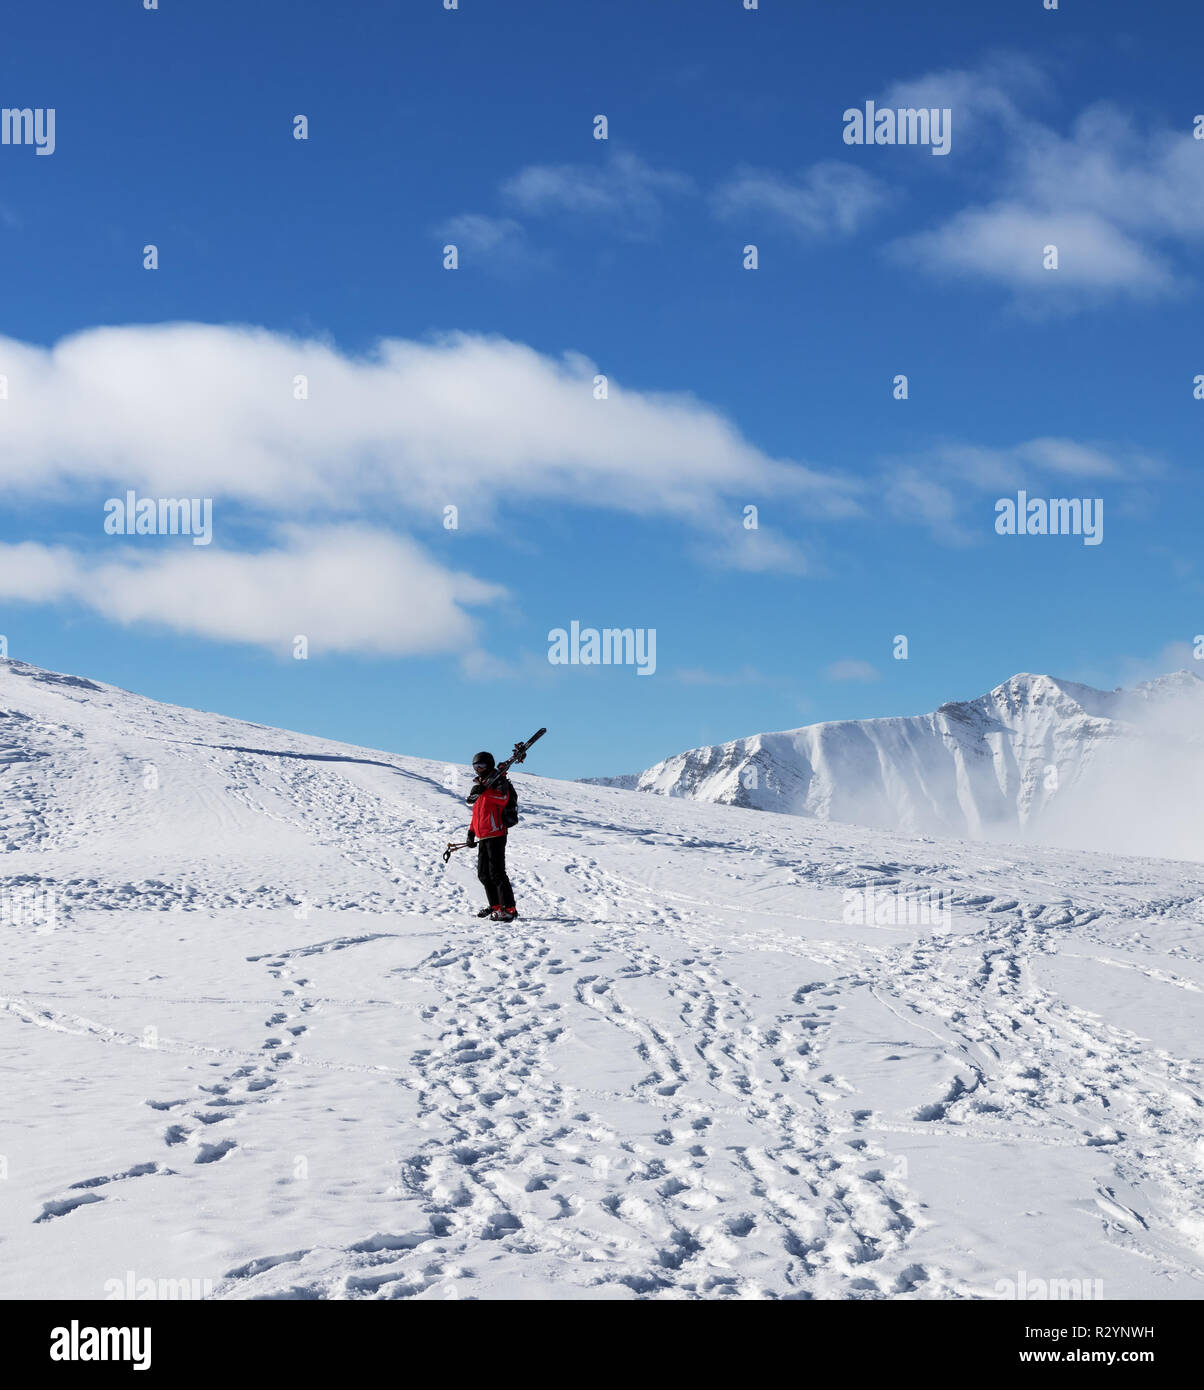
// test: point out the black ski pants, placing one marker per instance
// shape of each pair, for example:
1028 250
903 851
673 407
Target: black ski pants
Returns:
491 870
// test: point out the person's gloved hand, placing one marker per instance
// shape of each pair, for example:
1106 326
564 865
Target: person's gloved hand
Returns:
470 839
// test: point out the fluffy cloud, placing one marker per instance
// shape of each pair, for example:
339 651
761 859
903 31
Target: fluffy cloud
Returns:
186 410
1143 181
198 411
1005 242
345 588
1114 200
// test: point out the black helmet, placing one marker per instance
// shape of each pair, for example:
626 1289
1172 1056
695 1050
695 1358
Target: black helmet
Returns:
483 758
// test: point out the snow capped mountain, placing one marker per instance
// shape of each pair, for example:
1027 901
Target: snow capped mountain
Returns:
257 1044
1035 759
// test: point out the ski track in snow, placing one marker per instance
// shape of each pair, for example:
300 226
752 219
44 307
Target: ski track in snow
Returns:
679 1075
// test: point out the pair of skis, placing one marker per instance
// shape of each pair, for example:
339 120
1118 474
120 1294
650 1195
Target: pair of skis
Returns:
519 754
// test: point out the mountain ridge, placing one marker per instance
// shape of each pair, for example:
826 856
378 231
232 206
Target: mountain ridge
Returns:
1031 758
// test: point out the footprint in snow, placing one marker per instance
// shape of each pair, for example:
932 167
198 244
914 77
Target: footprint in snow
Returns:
51 1210
211 1153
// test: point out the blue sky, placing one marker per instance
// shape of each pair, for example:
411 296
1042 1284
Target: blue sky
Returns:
729 387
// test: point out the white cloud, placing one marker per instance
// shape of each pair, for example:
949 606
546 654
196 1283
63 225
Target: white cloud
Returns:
1006 243
493 238
930 488
1148 182
755 552
985 101
345 588
1067 456
1010 466
622 187
192 410
914 497
1114 200
829 197
852 670
35 573
198 411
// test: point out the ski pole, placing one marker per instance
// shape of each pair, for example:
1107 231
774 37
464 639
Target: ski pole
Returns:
452 846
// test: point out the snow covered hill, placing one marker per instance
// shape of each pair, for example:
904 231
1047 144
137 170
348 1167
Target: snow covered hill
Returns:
1037 759
255 1044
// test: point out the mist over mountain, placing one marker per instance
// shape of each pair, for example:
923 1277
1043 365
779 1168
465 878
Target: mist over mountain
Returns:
1037 759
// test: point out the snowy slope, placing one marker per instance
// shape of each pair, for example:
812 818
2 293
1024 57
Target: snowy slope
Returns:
266 1048
1036 759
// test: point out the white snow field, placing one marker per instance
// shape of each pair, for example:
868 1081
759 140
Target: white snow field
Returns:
255 1044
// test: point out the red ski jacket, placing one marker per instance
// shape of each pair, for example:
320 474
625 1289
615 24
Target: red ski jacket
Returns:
487 812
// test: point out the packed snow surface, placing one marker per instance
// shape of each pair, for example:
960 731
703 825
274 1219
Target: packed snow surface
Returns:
256 1044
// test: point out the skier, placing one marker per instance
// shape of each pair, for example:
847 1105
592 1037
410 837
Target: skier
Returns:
494 809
